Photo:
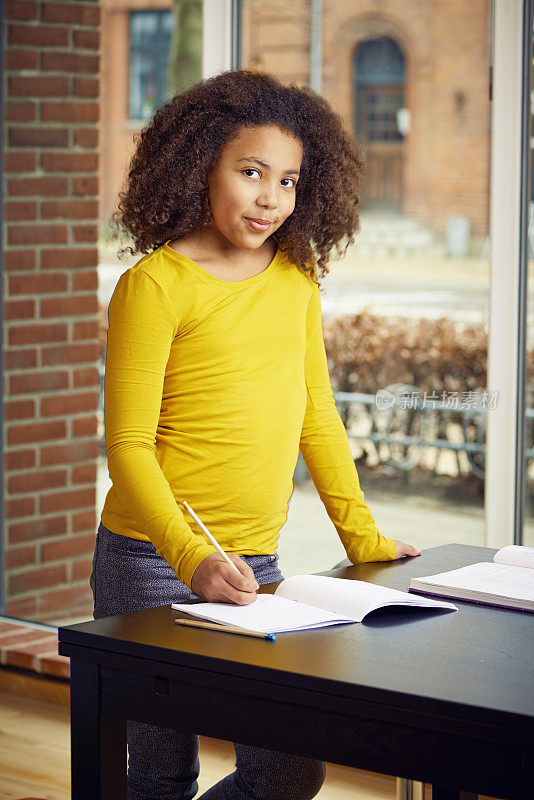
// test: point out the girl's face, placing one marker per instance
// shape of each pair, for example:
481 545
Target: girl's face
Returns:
252 188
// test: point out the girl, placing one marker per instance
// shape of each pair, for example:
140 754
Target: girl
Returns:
216 374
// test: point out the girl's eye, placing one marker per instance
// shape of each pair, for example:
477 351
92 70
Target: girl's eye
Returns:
292 184
250 169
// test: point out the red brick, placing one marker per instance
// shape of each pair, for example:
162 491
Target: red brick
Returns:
69 112
37 578
27 656
85 234
43 187
69 306
85 474
68 547
19 409
20 359
39 382
36 481
39 86
14 9
19 162
81 569
85 186
19 459
86 137
69 258
19 557
38 137
69 354
9 627
38 35
85 87
19 309
23 507
19 259
37 234
38 283
87 426
70 209
40 432
64 501
69 404
54 664
20 211
24 111
37 529
82 281
71 453
23 608
56 61
69 162
90 40
86 330
22 59
72 597
79 13
86 377
36 334
84 521
21 636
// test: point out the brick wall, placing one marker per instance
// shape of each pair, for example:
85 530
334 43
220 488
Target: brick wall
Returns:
50 191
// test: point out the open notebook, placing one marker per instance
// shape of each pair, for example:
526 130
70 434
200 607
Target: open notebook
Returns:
508 580
309 601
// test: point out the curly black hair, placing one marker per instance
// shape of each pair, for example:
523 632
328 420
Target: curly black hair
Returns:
165 196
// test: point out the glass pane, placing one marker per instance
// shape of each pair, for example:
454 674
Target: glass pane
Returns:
150 44
405 313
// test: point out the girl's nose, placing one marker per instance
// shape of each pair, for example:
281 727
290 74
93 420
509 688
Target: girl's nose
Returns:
267 196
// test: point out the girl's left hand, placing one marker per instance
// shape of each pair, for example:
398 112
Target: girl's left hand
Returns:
404 549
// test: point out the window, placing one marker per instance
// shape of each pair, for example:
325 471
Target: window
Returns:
150 46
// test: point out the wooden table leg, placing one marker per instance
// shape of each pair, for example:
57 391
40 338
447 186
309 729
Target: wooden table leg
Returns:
98 741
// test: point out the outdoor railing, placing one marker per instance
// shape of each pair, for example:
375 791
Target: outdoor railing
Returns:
407 425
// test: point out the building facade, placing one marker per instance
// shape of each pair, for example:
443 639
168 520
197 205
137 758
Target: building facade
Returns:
411 81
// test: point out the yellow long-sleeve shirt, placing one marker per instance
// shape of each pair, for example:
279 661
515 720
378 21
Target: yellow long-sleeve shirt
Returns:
211 386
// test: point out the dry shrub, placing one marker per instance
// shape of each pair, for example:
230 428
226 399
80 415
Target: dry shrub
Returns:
367 352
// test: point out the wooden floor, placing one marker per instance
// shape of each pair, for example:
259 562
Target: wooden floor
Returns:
35 758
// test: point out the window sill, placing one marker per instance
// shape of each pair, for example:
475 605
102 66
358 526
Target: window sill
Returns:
24 645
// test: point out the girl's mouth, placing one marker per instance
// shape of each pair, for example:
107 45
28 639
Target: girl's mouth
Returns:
258 225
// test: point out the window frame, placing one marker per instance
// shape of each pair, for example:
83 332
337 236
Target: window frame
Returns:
505 460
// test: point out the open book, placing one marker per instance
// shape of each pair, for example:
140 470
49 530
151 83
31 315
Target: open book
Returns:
308 601
507 581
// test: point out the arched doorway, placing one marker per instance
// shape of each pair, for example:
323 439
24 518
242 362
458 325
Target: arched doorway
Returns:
378 79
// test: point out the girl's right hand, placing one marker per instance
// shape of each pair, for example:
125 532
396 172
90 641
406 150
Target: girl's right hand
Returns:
215 581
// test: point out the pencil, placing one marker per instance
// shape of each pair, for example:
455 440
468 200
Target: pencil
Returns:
213 626
210 536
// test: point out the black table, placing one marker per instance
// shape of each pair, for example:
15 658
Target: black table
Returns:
446 698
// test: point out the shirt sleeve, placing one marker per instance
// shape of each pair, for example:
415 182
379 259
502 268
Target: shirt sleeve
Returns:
141 328
325 449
